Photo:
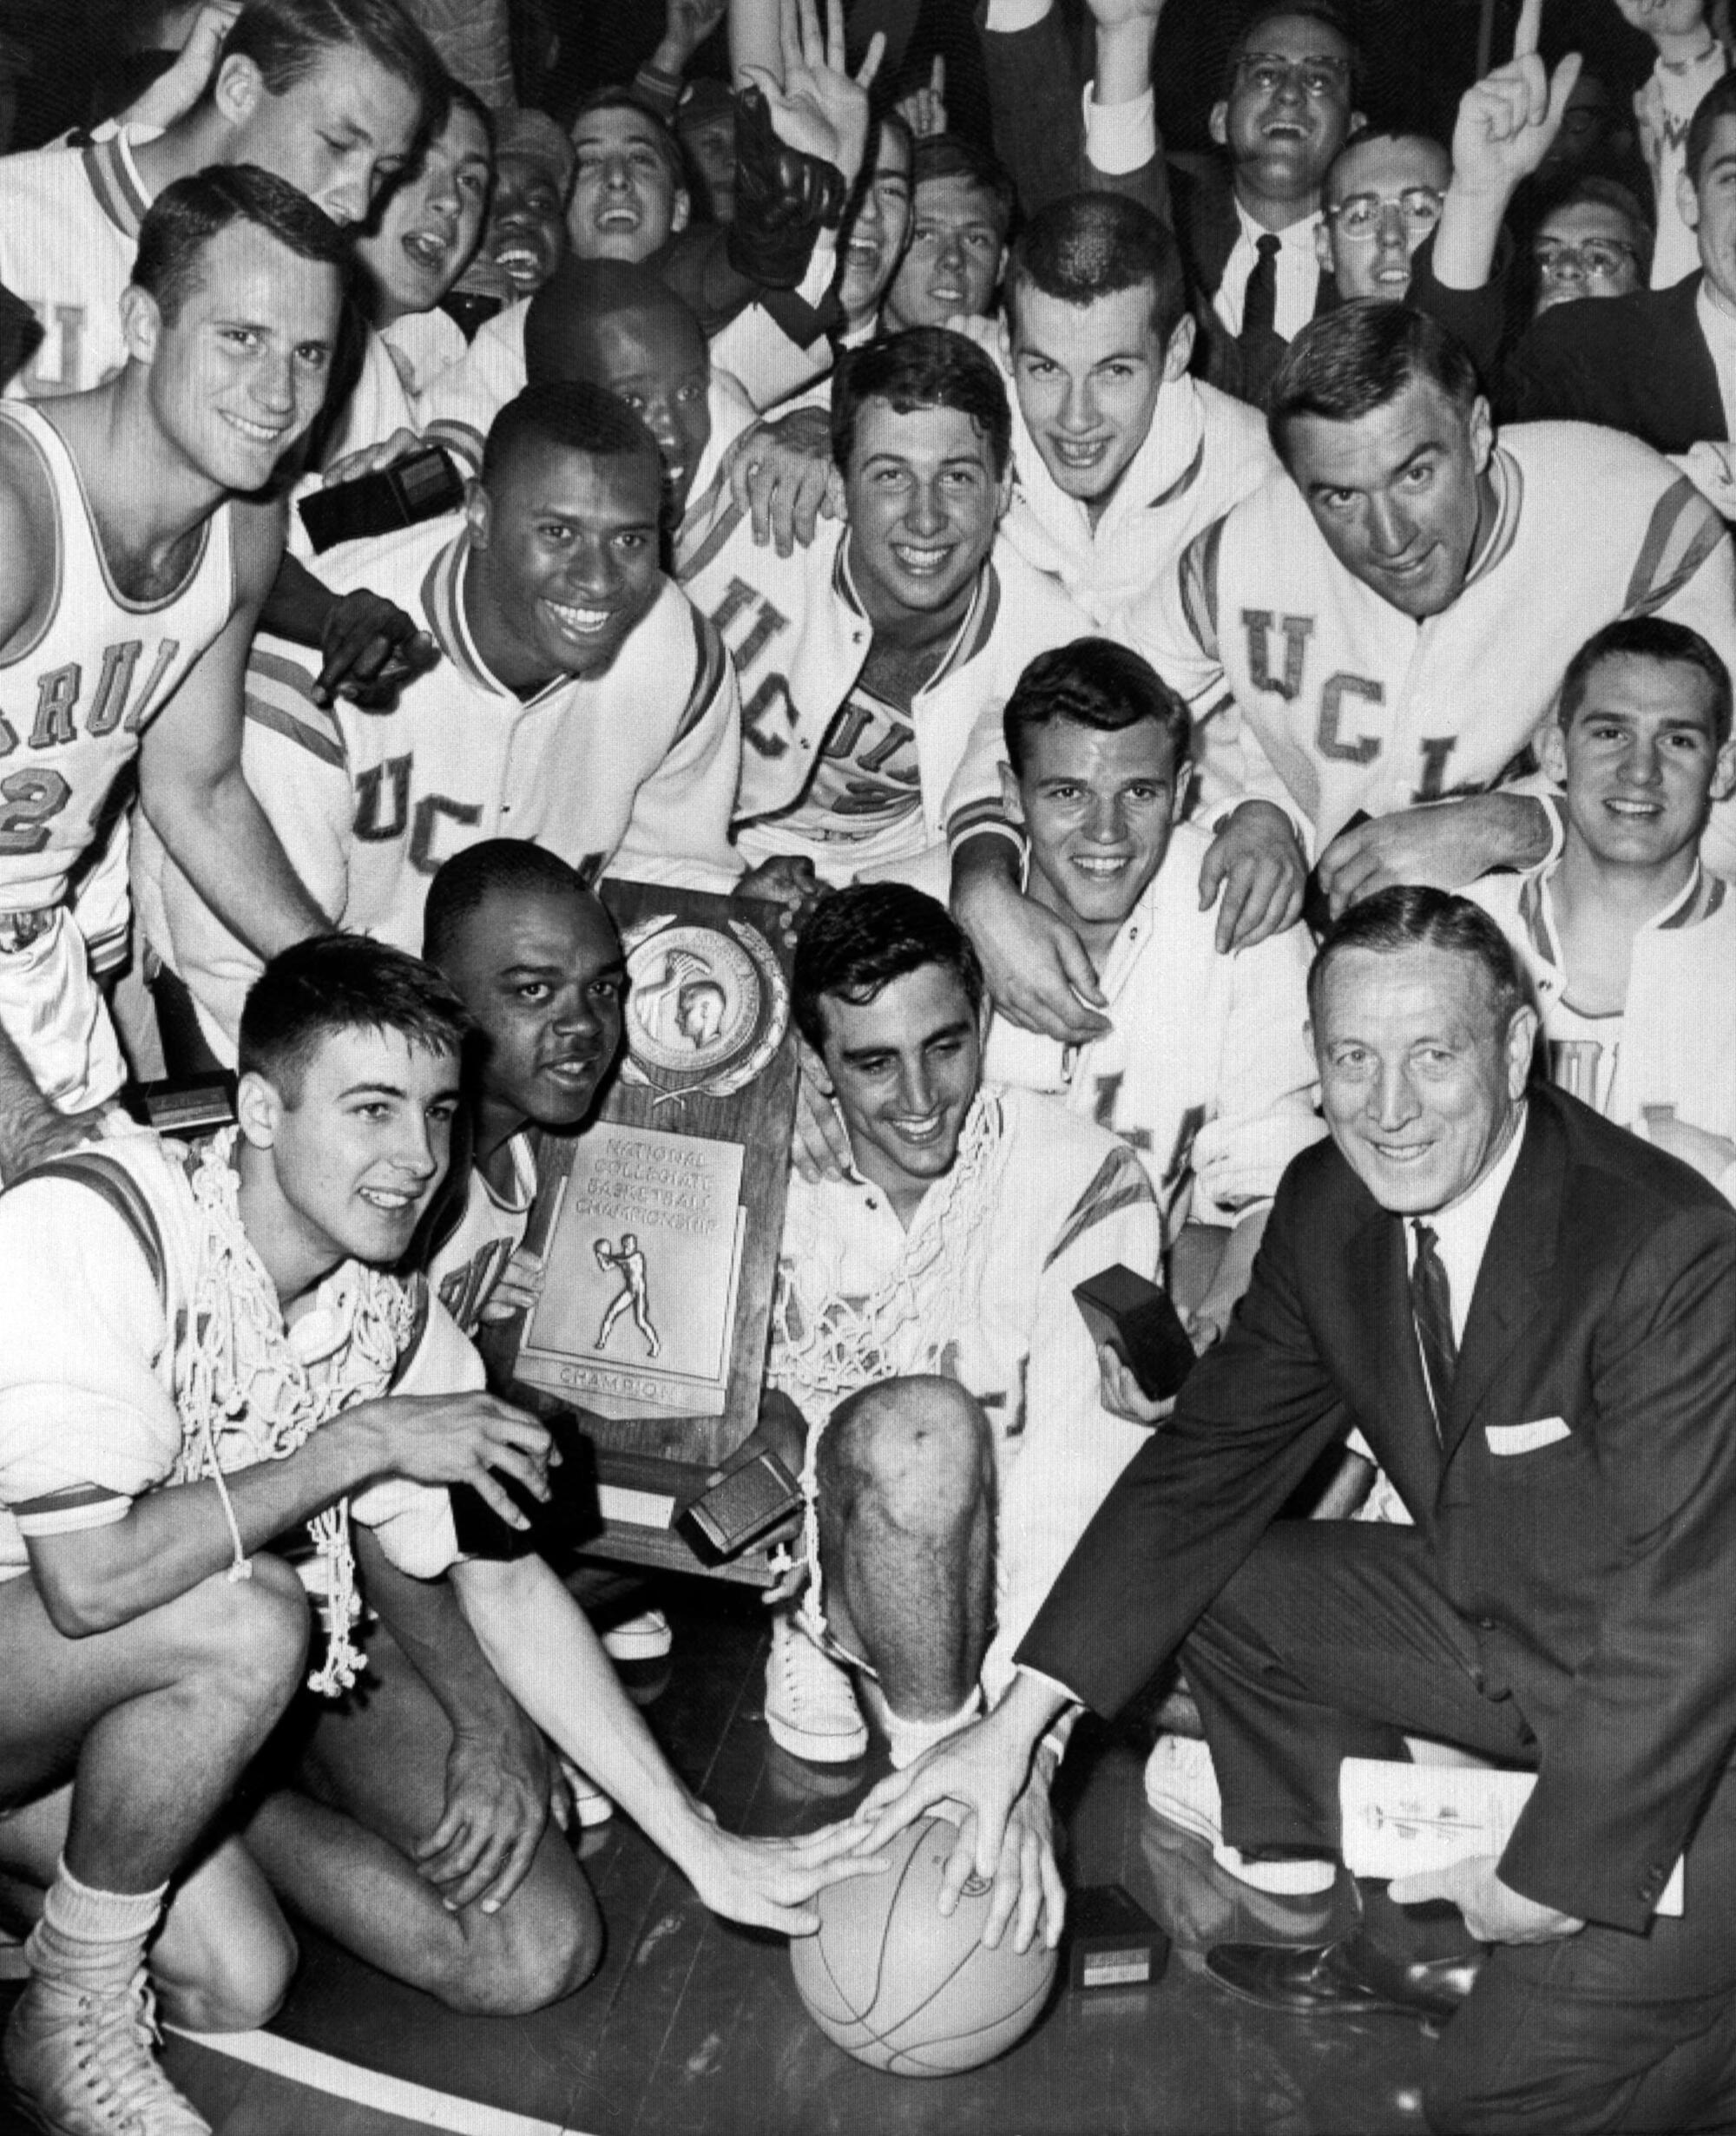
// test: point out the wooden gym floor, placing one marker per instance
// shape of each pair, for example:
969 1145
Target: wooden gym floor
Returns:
693 2027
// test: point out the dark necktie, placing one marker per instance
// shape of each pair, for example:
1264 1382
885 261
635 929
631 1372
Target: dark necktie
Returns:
1431 1301
1259 299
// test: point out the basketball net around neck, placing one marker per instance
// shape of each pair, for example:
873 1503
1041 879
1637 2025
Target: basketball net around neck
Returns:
824 1344
245 1396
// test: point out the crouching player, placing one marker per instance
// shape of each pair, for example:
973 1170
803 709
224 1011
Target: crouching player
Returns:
196 1356
538 963
925 1330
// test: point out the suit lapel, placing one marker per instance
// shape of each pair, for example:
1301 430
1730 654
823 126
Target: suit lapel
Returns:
1520 1253
1410 1448
1686 346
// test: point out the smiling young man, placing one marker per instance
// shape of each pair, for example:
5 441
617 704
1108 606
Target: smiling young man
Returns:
867 658
1527 1312
580 702
876 232
1120 457
130 589
202 1354
925 1331
330 95
1215 1102
961 217
1628 943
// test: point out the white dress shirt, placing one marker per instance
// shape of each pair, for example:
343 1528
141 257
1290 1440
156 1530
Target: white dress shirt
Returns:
1461 1230
1299 274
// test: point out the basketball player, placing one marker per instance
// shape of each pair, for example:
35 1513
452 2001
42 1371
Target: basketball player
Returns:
1628 943
926 1336
580 702
198 1356
1206 1070
1377 631
128 589
330 95
867 658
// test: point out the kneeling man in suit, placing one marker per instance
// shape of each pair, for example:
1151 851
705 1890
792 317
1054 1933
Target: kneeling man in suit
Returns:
1528 1313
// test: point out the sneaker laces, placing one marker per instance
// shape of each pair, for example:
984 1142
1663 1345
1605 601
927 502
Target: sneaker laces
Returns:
116 2057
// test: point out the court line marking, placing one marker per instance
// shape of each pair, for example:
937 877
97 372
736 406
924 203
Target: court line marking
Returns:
371 2087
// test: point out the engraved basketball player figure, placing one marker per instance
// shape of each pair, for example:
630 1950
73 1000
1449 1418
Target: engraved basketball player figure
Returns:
634 1294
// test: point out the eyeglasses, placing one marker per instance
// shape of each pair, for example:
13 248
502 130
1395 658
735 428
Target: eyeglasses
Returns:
1599 259
1268 72
1360 217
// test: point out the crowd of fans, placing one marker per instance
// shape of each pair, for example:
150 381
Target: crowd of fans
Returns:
1071 582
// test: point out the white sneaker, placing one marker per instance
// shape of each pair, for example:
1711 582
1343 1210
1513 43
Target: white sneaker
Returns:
644 1638
1181 1786
591 1805
811 1708
83 2062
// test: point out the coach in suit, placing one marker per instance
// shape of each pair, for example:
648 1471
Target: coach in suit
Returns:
1660 363
1528 1314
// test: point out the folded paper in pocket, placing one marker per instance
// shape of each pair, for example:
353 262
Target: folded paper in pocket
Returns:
1525 1438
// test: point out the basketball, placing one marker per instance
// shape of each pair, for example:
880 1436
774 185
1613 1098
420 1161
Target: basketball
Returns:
904 1988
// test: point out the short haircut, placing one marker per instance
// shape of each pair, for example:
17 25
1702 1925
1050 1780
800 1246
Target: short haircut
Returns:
1647 638
923 367
1096 683
288 40
1327 13
1359 357
331 983
1368 135
857 940
1090 245
1718 103
567 415
1414 917
662 136
495 868
947 156
559 325
185 217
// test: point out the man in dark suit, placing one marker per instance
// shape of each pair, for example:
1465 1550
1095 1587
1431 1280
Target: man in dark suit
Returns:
1529 1315
1660 363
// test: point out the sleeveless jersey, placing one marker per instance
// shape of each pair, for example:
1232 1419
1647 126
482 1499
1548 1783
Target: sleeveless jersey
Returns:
75 698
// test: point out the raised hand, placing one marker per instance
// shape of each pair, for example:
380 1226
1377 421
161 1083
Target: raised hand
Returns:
820 107
687 25
1508 121
923 108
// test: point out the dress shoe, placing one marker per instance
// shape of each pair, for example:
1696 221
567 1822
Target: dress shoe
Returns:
1347 1979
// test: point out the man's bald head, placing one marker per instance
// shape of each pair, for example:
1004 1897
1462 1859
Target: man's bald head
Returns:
616 325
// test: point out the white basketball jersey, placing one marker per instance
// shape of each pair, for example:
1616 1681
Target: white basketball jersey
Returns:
75 700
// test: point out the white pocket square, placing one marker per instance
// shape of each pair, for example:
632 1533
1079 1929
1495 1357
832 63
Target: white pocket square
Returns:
1525 1438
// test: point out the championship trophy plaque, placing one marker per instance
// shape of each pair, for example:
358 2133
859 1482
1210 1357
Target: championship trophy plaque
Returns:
659 1222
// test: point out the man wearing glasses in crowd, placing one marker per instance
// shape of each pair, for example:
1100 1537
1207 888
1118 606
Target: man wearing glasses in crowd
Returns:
1247 231
1384 196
